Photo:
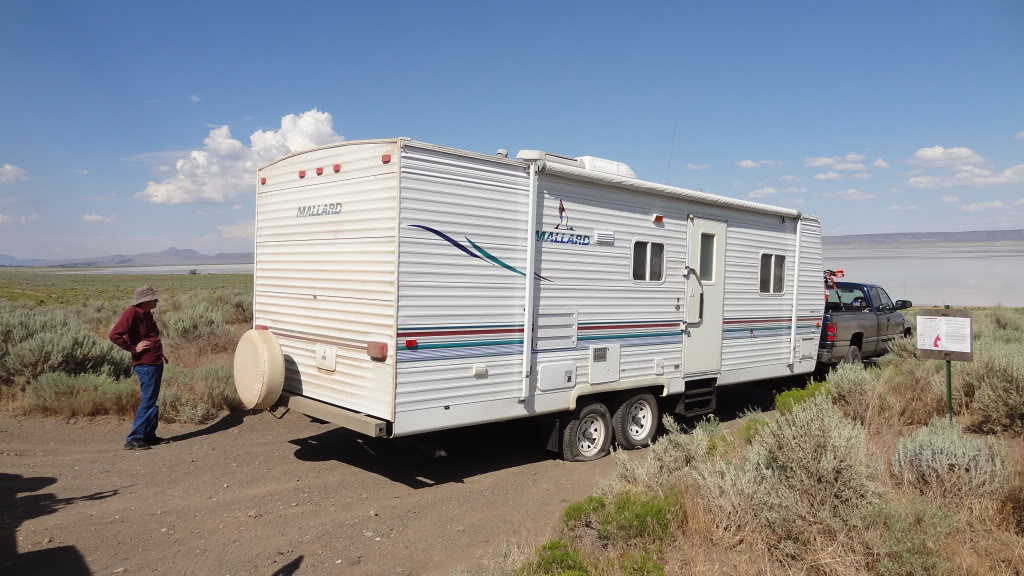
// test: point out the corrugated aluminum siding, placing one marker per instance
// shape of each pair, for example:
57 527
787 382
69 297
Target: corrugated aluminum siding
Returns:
330 279
451 296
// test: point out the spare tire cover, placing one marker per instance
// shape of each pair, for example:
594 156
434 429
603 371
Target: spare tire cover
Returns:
259 369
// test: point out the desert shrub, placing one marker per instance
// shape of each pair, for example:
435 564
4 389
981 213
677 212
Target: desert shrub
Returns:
34 341
636 517
582 511
627 517
939 460
217 386
996 378
556 557
666 459
906 539
237 306
900 349
787 400
854 389
807 470
80 395
196 321
752 420
641 565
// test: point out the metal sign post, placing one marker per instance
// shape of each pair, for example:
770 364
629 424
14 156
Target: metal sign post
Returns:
945 334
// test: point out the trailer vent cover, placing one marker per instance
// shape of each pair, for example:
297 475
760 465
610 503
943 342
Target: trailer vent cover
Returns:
604 238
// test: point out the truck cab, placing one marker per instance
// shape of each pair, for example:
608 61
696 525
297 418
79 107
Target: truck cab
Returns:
860 321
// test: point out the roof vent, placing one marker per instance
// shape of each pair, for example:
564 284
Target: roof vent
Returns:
606 166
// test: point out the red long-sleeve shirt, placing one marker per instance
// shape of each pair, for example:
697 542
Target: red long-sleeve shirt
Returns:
136 325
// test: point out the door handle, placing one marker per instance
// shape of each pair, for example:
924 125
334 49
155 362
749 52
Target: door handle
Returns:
700 312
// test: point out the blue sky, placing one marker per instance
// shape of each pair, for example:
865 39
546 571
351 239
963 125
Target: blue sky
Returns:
876 116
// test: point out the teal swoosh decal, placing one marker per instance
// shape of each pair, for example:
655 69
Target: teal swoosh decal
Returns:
492 258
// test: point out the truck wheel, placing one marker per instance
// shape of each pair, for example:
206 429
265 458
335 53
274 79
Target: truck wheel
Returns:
853 356
587 433
636 421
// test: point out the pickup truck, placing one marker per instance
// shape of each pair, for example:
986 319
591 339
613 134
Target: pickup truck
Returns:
860 320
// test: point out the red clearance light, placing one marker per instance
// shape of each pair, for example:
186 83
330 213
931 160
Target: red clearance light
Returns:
337 168
377 351
411 343
263 180
319 171
302 173
386 159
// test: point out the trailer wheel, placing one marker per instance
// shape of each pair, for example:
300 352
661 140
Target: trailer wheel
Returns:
853 356
636 421
587 433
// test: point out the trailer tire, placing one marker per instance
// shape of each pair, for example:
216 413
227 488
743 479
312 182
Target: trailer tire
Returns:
259 369
587 432
635 422
853 356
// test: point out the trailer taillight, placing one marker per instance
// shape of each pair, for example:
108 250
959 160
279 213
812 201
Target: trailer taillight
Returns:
830 332
377 351
385 159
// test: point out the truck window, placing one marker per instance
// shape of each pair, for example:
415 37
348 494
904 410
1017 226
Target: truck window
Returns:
882 300
847 298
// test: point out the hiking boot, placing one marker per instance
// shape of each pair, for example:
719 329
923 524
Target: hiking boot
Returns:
156 441
136 445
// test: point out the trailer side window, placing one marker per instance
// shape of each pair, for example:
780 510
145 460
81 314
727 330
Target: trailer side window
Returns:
648 261
772 277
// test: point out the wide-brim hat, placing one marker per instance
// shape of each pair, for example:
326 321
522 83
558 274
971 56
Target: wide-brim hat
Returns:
143 294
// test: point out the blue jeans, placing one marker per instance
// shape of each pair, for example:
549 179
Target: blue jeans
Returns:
148 415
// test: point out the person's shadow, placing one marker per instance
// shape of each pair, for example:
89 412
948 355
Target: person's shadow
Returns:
226 422
15 509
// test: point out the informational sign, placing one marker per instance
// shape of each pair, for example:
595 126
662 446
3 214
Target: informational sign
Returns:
945 335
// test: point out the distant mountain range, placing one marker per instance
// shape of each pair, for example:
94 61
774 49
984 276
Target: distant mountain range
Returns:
179 257
169 257
918 238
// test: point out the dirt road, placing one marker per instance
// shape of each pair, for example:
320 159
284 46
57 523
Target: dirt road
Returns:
257 495
265 496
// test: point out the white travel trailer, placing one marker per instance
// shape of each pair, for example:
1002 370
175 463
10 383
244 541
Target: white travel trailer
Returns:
403 287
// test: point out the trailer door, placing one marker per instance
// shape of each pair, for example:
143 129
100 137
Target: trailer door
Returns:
705 295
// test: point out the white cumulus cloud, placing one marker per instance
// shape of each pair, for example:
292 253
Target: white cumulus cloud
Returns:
819 161
969 176
861 175
240 230
939 156
762 192
89 217
852 194
81 172
194 97
6 219
827 176
850 166
9 174
225 167
948 199
696 166
902 208
880 163
982 206
755 163
1019 135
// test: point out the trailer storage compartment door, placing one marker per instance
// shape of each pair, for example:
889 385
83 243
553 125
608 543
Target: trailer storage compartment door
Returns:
326 270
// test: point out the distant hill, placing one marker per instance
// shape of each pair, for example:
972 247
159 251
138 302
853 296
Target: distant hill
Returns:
169 257
916 238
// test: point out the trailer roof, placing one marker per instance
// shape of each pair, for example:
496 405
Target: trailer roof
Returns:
595 176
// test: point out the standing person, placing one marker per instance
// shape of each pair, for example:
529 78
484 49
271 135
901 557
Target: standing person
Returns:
137 333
